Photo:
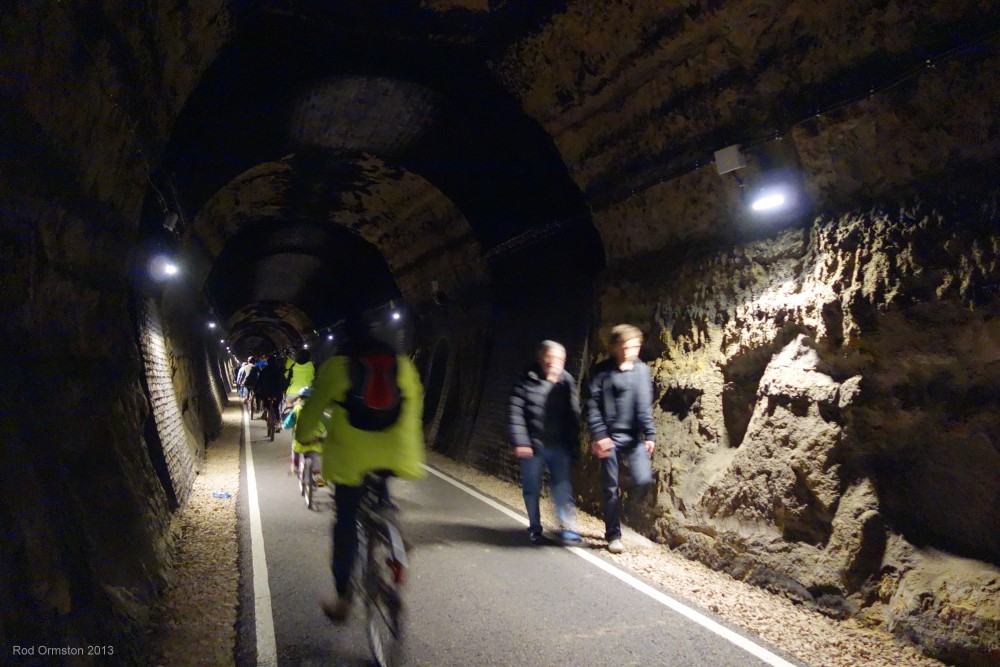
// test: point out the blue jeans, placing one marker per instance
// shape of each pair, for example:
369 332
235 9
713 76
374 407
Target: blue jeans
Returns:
559 461
641 470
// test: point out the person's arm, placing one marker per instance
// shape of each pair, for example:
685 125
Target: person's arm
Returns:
644 406
290 419
517 425
596 423
574 397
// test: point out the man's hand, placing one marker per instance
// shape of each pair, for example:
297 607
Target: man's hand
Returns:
603 448
524 452
650 446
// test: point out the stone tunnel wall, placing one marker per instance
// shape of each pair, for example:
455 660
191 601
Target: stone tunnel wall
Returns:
828 416
85 519
175 447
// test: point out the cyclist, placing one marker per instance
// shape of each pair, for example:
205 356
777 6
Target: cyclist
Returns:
313 446
299 373
243 375
270 388
350 453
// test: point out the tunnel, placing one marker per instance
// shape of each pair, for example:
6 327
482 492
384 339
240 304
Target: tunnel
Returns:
184 185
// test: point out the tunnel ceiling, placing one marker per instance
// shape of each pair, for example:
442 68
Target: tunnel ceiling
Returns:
442 131
339 154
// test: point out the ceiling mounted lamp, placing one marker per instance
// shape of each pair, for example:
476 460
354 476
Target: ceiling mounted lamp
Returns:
769 190
774 192
162 268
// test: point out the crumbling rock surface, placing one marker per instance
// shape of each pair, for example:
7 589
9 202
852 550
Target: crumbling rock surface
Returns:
827 416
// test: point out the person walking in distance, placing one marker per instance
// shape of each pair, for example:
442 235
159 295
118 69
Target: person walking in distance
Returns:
543 424
620 420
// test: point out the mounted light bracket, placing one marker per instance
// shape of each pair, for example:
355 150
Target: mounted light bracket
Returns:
729 159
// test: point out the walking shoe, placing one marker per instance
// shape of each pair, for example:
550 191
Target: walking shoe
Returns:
536 538
616 546
570 538
336 608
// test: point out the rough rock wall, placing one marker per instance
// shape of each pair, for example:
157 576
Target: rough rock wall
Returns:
634 90
827 416
84 517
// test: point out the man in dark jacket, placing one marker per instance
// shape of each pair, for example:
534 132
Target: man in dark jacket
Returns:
620 419
544 418
271 384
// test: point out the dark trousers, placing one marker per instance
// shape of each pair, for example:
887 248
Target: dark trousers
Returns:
559 461
345 534
347 499
641 470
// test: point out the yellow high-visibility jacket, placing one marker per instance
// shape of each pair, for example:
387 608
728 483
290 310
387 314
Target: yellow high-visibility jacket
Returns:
302 375
309 445
350 453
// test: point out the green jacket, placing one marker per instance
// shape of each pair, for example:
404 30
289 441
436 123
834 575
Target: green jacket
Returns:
349 453
299 376
310 445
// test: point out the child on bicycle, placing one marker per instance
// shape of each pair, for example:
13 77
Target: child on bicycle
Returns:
313 446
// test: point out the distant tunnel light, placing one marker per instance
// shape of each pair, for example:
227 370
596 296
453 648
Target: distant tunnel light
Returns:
163 268
211 325
395 315
329 337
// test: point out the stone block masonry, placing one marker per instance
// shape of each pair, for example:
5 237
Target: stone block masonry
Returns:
179 445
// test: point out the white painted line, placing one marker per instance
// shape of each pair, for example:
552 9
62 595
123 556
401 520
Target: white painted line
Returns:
739 640
475 494
267 649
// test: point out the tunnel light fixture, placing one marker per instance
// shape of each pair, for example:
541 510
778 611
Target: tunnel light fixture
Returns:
329 336
395 315
163 268
305 346
212 325
773 198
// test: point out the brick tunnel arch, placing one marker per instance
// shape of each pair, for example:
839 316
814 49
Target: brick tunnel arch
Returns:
421 239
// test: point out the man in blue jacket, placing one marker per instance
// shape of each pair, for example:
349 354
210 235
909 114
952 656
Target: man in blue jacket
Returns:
620 419
543 423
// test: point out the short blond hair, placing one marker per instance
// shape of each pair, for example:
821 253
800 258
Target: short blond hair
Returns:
623 333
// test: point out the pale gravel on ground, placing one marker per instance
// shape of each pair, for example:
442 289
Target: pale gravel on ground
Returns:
200 607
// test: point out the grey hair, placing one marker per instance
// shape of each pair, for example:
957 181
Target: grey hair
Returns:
547 345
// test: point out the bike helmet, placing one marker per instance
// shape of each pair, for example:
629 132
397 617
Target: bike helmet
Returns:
305 392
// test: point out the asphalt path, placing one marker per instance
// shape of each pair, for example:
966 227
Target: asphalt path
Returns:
477 594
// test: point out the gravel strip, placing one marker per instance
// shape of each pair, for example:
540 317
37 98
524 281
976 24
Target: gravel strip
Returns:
199 614
198 625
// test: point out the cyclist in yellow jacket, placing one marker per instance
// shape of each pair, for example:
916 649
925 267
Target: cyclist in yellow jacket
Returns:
350 453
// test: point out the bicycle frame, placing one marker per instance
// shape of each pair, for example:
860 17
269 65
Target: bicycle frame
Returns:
381 569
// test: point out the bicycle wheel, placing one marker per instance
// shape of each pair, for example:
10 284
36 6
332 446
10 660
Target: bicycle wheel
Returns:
300 472
383 599
308 484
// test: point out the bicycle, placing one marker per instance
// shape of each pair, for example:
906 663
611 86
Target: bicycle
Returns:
308 465
380 570
271 415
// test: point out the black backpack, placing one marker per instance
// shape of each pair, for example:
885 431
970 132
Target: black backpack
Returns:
373 401
253 375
